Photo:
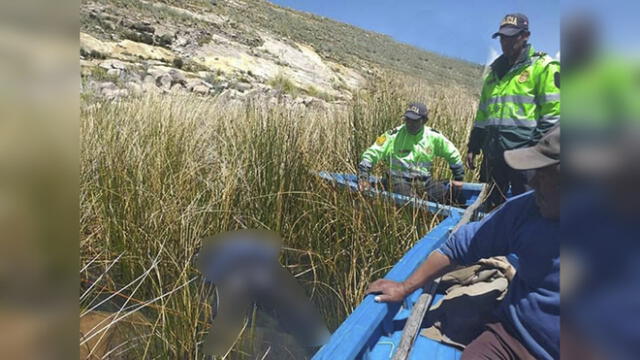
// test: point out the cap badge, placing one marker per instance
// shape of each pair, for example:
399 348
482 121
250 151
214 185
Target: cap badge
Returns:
509 20
414 109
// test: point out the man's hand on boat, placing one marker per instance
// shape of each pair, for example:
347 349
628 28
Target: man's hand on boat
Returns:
388 290
363 185
457 184
435 266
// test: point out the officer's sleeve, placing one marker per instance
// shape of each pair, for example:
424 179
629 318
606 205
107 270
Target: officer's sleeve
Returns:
476 139
547 99
445 149
478 133
372 155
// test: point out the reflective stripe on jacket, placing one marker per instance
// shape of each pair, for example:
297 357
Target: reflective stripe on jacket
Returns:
515 110
411 156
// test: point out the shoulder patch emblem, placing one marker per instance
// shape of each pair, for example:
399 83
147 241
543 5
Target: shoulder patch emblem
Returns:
381 139
524 76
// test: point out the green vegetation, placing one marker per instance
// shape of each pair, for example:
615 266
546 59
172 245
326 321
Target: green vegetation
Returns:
158 174
159 11
339 42
204 39
339 84
211 78
194 66
101 74
281 82
312 91
350 45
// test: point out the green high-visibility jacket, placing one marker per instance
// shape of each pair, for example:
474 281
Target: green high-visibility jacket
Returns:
518 104
411 156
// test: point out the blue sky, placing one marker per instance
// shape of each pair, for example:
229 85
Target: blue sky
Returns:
460 29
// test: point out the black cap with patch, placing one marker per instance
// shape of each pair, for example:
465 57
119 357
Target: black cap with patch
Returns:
545 153
512 24
416 111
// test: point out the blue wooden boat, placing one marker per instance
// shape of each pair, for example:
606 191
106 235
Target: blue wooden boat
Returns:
375 330
470 193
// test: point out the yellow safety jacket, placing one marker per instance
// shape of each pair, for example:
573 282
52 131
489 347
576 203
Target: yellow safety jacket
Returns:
411 156
518 104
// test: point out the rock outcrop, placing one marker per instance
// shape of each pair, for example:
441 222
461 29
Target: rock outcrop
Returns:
125 53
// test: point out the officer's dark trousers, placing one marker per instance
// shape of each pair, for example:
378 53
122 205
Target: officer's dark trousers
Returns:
500 178
427 188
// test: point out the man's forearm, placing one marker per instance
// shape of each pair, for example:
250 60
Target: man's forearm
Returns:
435 266
457 170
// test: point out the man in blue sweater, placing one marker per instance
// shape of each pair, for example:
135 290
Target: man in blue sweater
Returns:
527 324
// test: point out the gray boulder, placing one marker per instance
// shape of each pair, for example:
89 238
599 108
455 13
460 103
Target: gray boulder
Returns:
164 81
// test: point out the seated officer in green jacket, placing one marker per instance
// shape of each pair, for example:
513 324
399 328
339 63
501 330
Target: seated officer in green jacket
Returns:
408 151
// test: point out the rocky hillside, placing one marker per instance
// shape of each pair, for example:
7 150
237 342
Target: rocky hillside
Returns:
241 49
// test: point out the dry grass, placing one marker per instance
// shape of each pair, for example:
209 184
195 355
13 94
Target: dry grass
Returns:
160 173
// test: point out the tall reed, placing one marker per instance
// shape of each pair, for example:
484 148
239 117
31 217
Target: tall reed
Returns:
160 173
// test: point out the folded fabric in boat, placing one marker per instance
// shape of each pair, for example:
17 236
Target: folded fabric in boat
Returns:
471 295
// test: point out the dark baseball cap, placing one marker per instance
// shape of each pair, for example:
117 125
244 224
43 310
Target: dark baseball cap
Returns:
545 153
416 111
512 24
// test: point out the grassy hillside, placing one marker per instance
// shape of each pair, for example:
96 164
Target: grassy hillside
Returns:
349 45
339 42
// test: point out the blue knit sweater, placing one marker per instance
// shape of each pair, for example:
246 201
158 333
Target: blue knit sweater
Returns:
532 305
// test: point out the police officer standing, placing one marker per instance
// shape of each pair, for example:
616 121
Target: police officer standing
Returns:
409 151
520 101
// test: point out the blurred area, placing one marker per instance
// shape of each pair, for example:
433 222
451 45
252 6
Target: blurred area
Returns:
252 286
38 179
601 220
